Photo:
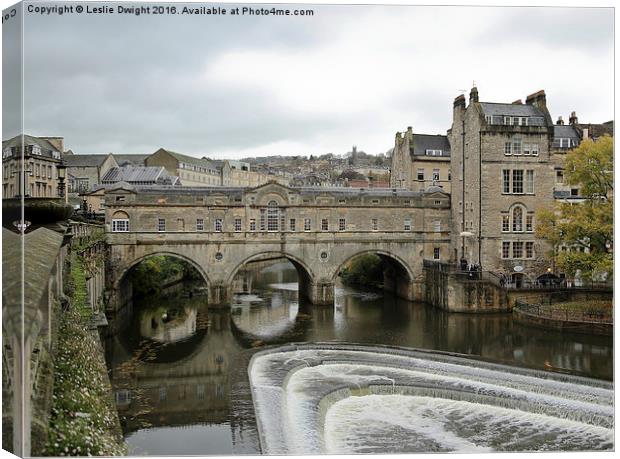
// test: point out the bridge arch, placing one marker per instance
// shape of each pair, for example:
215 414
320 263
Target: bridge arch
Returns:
122 274
306 276
398 276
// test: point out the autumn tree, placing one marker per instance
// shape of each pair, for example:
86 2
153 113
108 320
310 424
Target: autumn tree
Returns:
581 233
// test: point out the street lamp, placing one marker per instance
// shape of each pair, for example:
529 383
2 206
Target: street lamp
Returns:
62 170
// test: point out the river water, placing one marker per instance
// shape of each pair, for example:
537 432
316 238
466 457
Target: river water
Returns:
179 370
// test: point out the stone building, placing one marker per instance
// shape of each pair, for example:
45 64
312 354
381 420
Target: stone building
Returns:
503 163
420 161
33 159
84 171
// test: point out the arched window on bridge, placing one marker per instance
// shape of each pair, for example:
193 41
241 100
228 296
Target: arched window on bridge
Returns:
273 216
120 222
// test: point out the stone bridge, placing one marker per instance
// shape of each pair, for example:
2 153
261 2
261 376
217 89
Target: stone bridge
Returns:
319 230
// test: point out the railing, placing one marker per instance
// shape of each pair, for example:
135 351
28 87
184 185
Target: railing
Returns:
557 284
557 312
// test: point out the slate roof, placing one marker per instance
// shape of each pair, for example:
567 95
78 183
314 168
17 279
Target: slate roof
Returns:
598 130
84 160
493 108
193 160
46 147
131 174
40 249
423 142
565 132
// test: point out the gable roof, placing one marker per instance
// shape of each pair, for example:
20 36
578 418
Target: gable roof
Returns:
85 160
423 142
190 159
493 108
136 160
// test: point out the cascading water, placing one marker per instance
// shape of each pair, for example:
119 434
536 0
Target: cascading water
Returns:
341 399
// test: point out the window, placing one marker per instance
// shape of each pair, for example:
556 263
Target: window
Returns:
420 174
436 175
529 249
272 216
37 170
162 394
200 224
489 119
534 149
574 192
262 219
291 224
517 181
307 224
505 223
36 150
218 225
6 153
436 253
529 181
506 181
324 224
508 148
120 225
564 143
237 225
517 249
517 219
529 223
516 146
161 224
374 224
437 202
342 224
437 226
407 225
505 249
252 224
434 152
559 177
49 172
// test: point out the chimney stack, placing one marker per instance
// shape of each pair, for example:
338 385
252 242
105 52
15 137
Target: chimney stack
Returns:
518 102
560 121
538 99
460 102
473 95
573 118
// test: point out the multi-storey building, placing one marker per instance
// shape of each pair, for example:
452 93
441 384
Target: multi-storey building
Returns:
505 163
420 161
29 166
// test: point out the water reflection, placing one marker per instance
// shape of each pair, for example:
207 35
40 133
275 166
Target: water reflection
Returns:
179 370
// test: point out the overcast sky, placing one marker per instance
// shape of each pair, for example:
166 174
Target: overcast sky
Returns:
227 86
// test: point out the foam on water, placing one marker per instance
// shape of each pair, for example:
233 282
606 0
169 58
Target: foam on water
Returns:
356 399
397 423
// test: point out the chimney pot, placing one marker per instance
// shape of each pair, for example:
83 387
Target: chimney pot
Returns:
573 118
560 121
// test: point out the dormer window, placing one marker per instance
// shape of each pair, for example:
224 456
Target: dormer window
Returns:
434 152
6 153
56 154
36 150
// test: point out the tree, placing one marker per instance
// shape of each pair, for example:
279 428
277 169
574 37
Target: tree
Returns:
582 233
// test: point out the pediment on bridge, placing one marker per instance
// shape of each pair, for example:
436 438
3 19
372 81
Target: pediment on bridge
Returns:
274 188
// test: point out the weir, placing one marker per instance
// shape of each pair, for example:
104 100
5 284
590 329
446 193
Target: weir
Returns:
427 401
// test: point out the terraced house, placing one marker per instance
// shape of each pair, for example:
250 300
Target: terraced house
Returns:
505 163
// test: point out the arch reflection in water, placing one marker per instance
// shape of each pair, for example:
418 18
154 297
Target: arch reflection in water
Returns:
270 308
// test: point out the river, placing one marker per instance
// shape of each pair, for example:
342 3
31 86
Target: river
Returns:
179 370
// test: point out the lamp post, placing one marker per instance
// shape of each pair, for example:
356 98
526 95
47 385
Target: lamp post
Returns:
62 170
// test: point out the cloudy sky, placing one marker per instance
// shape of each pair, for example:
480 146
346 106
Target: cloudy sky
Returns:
227 86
